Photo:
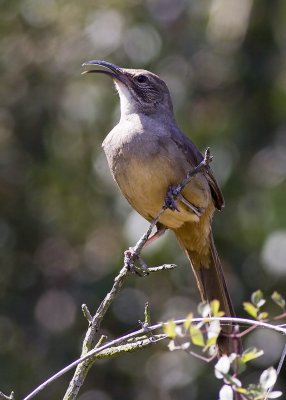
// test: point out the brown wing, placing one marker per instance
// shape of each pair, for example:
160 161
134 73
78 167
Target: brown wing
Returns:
194 157
215 190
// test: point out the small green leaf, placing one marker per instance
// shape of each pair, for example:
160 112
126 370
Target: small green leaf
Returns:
170 329
257 298
255 392
147 316
250 354
250 309
188 321
215 312
279 300
241 390
268 378
204 309
262 316
226 393
211 342
197 337
222 367
239 366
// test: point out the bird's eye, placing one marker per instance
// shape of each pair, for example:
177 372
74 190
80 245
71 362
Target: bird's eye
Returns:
141 78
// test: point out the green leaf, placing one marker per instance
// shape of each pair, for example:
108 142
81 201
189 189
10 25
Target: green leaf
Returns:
262 316
268 378
250 354
250 309
170 329
188 321
222 367
279 300
215 304
241 390
257 298
226 393
255 392
238 365
197 337
211 342
147 316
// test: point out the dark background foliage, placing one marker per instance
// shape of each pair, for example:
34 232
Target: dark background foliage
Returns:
63 223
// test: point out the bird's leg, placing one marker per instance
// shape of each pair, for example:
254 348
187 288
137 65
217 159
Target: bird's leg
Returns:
170 201
159 232
197 210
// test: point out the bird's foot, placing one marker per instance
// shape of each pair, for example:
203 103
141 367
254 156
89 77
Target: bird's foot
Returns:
130 259
171 203
170 198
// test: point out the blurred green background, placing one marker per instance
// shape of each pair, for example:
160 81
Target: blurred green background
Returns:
64 225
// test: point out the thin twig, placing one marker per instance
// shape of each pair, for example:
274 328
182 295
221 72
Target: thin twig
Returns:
89 340
94 324
280 316
281 362
86 312
4 397
246 331
88 355
252 328
141 331
202 165
163 267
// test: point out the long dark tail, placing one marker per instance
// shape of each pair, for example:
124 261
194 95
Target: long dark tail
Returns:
212 285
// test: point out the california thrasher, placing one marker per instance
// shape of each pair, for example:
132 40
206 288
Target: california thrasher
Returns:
147 154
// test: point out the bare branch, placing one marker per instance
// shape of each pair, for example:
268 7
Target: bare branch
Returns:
142 331
86 312
4 397
94 324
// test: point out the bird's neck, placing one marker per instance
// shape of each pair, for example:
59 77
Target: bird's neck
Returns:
129 108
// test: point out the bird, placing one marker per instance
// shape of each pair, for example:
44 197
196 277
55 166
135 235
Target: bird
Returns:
148 155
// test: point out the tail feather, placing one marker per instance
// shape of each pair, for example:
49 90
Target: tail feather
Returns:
212 285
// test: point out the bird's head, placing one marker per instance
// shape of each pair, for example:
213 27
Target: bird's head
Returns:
140 91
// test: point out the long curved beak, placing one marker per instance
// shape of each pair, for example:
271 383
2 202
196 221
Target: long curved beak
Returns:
111 69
